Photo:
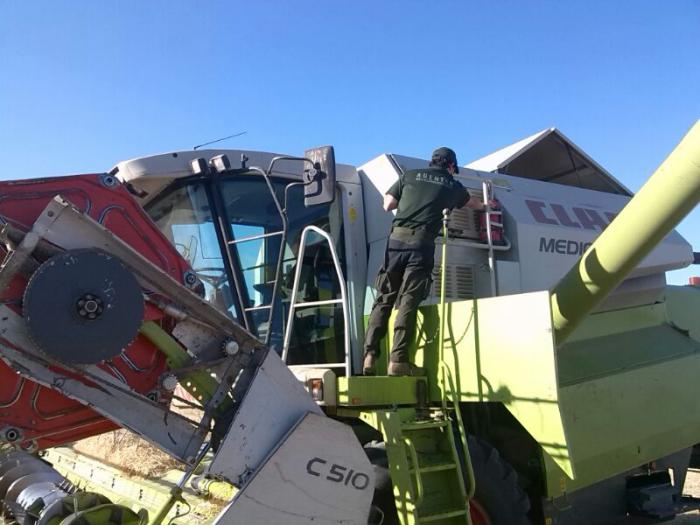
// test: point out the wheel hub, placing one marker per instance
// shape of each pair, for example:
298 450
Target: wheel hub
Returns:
90 306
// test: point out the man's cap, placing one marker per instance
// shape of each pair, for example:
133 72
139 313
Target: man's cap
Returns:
447 154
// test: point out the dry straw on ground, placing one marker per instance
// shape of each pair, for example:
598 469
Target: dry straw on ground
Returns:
128 452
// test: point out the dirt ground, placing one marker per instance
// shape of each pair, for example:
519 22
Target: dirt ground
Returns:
692 488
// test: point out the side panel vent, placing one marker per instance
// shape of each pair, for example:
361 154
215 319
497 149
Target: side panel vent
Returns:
464 221
459 283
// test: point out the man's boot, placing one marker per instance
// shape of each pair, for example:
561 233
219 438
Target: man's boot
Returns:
405 369
369 367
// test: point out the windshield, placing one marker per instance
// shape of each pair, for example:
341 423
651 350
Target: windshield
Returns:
184 214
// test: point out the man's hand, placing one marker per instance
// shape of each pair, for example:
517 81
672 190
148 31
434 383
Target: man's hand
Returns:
478 205
390 202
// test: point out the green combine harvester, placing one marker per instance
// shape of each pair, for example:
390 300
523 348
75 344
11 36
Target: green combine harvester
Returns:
561 368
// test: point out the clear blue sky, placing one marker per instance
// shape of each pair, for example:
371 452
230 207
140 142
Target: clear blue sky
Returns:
84 84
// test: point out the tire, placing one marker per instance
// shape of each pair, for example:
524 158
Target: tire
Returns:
498 499
383 511
695 457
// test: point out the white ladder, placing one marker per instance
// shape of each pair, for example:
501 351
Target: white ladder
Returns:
343 300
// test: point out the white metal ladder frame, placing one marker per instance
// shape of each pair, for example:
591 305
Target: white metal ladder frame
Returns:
293 305
487 190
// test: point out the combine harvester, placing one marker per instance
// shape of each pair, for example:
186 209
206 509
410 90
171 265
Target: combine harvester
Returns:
550 397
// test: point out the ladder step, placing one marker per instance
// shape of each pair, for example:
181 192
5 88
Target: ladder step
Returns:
420 425
439 467
432 518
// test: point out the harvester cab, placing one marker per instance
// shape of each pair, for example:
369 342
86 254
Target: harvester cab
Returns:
249 233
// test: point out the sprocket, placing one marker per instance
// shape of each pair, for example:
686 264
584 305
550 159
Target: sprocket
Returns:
83 306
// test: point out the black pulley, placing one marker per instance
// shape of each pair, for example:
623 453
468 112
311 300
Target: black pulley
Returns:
83 306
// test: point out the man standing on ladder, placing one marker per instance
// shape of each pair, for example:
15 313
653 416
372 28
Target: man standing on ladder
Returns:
419 196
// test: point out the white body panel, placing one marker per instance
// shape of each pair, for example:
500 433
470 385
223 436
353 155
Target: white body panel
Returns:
353 213
152 174
568 219
318 475
548 226
274 402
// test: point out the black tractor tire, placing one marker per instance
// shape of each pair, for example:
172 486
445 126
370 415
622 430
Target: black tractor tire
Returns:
498 494
383 511
695 457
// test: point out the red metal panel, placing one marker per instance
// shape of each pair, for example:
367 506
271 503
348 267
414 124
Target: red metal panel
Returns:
44 417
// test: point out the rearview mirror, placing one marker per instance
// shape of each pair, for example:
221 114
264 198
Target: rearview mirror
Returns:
319 181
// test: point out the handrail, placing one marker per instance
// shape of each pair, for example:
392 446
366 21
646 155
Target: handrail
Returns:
465 242
469 474
283 240
488 191
446 373
420 492
343 295
256 237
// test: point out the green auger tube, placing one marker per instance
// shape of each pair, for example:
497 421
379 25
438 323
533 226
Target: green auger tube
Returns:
666 198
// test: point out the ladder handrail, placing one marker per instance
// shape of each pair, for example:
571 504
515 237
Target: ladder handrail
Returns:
488 193
280 257
256 237
343 295
469 474
420 492
446 380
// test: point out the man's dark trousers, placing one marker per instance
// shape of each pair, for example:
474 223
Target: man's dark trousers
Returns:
404 279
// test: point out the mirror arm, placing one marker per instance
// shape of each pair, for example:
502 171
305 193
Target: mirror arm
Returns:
285 157
286 191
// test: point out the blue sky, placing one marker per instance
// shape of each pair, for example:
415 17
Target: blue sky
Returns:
84 84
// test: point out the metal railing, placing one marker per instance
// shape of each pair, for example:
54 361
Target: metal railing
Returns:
487 189
343 300
447 384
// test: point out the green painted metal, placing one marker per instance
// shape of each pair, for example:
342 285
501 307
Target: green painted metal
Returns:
502 349
217 489
134 492
368 391
107 514
663 201
640 364
499 349
198 383
682 307
443 303
468 484
388 422
177 490
424 466
72 504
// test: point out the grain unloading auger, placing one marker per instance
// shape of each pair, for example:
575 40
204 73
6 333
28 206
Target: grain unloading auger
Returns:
93 295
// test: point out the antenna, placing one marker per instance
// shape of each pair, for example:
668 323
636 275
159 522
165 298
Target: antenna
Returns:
221 139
